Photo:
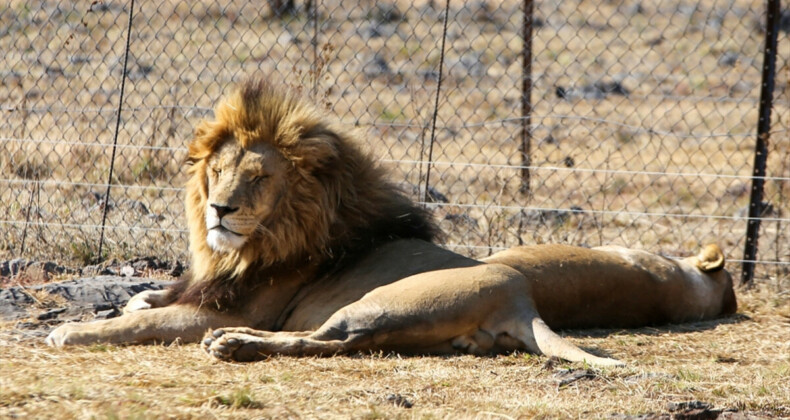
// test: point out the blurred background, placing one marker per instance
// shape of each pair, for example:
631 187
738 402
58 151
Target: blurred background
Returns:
617 122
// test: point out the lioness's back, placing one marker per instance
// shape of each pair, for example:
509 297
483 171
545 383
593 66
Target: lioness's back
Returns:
575 287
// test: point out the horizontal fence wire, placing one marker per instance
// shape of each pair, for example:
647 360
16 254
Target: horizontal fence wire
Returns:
437 163
468 126
642 126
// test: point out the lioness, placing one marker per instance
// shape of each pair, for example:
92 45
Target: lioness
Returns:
300 246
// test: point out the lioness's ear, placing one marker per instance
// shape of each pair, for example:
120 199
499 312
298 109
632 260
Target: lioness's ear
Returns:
710 258
318 148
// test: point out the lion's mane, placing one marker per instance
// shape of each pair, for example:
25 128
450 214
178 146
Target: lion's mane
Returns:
338 204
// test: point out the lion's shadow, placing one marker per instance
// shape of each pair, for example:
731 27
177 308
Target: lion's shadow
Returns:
657 330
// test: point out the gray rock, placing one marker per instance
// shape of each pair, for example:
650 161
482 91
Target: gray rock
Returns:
377 66
82 296
13 267
597 90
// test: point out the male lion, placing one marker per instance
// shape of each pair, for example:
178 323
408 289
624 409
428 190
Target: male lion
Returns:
300 246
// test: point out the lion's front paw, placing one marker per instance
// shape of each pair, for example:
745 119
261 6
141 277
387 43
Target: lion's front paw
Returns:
235 346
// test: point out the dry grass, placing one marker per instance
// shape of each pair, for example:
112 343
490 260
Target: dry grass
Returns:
741 363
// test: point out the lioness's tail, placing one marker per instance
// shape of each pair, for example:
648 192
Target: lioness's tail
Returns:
552 345
710 259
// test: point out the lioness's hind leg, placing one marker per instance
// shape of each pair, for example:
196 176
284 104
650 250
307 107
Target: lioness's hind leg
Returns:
481 342
250 331
236 344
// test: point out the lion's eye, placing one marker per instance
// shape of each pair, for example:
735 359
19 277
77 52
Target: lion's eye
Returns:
217 172
259 178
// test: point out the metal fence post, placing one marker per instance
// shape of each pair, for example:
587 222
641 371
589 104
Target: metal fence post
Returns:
117 129
761 146
312 11
426 193
525 147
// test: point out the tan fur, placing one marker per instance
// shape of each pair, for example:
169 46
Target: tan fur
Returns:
312 252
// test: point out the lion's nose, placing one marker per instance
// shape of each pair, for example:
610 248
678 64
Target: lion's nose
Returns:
223 210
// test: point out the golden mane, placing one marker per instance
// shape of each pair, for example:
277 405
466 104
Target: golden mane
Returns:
338 202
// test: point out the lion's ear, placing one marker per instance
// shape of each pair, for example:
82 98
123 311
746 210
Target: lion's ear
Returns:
198 148
200 129
318 148
194 154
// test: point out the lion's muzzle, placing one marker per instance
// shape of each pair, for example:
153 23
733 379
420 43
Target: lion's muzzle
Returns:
224 230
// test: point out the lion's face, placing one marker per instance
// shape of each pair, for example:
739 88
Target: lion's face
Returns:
244 187
270 182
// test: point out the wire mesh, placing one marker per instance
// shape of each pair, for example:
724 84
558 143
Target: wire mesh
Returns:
642 126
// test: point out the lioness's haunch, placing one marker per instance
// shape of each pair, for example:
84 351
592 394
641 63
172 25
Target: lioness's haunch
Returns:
301 246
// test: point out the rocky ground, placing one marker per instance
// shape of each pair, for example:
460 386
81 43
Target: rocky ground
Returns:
35 295
24 272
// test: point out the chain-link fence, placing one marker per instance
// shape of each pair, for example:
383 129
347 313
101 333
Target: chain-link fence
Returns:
639 126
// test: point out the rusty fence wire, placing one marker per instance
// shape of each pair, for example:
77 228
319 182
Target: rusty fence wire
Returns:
618 122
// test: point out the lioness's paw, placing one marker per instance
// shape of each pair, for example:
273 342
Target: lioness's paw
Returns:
210 344
232 346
